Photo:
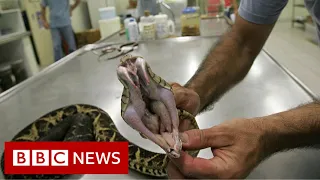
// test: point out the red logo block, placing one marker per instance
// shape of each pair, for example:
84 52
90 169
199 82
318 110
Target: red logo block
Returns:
66 158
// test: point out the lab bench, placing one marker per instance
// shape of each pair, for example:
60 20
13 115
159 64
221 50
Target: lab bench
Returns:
82 78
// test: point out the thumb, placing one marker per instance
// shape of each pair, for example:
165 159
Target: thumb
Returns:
197 139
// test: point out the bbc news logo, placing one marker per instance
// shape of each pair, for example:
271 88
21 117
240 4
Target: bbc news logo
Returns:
61 158
40 158
66 158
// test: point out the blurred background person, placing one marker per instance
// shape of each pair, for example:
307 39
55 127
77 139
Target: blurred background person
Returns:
60 24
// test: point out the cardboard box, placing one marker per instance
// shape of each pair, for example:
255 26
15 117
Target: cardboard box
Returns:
87 37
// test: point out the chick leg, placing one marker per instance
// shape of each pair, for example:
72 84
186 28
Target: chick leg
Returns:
133 120
160 109
168 100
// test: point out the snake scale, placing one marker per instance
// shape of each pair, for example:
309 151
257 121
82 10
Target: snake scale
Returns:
83 122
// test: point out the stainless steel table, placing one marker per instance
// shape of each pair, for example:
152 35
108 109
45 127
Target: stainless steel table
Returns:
81 78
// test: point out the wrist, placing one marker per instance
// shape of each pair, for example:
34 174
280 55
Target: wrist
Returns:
193 88
190 86
190 99
295 128
260 128
268 135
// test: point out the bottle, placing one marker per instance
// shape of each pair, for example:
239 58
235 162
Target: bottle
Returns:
164 26
126 22
133 30
190 22
147 26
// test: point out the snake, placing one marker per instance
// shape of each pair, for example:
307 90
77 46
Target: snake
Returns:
85 122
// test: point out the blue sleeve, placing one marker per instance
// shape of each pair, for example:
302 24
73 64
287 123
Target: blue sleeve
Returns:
44 3
261 11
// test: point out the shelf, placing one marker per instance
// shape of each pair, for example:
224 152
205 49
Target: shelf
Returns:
9 11
13 36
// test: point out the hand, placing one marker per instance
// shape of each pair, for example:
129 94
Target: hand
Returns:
236 145
186 99
46 25
71 9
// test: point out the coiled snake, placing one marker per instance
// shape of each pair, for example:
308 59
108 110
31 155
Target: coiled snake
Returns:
83 122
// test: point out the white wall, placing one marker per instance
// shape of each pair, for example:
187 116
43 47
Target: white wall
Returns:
22 6
80 17
121 6
41 36
93 6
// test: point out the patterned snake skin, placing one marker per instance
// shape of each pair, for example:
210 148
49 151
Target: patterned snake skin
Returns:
82 122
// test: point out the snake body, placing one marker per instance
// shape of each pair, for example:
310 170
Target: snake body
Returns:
83 122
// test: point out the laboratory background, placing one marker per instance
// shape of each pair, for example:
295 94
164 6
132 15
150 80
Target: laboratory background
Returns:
27 44
62 52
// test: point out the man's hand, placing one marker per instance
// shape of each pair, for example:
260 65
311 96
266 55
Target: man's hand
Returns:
237 147
72 7
46 25
43 17
186 99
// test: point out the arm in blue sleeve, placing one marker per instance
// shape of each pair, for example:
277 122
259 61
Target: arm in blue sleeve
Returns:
261 11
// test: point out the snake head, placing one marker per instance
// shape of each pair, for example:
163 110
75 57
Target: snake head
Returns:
136 66
141 67
127 71
151 108
125 76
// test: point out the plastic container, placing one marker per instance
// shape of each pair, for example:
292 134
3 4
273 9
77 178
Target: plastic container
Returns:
147 17
147 26
164 26
133 30
177 7
190 22
126 22
109 26
197 8
233 18
107 13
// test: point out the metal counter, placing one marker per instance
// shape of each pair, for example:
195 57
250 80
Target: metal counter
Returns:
81 78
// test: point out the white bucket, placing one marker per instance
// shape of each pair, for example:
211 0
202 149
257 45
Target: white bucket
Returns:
107 13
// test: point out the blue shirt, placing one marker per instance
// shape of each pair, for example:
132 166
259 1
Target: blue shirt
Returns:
268 11
59 12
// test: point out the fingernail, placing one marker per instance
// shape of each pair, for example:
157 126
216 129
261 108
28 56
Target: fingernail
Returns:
184 137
